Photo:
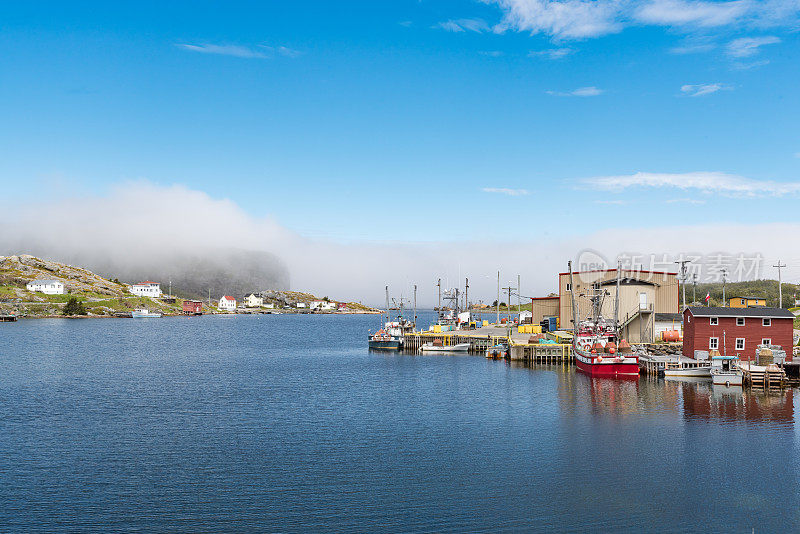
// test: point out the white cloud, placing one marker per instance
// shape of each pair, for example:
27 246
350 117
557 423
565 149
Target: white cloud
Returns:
567 19
610 202
580 91
705 182
462 25
552 53
260 52
224 50
691 13
749 46
580 19
685 201
506 191
491 53
703 89
694 45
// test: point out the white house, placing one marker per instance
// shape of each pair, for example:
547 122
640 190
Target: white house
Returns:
146 289
301 305
48 287
269 306
323 305
253 301
227 303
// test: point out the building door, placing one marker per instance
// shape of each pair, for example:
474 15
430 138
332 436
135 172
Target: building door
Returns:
642 301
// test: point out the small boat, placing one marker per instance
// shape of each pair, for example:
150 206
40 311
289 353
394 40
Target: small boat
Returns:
431 347
687 368
496 352
725 372
144 313
382 340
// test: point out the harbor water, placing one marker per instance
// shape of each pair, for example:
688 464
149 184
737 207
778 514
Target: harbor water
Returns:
288 423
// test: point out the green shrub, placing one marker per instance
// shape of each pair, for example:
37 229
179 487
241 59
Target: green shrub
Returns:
74 307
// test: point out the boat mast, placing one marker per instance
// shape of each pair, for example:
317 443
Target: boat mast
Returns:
388 314
616 303
574 308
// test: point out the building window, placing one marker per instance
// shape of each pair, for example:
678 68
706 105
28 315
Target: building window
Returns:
713 321
740 321
766 322
766 341
713 343
743 302
739 343
569 286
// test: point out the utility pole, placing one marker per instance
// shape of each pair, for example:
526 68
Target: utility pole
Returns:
724 279
508 304
209 296
780 266
498 297
694 288
415 306
466 295
170 287
439 285
683 279
519 307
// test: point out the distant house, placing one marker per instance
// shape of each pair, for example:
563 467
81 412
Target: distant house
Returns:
746 302
269 306
301 305
48 287
227 303
146 289
253 301
323 305
192 307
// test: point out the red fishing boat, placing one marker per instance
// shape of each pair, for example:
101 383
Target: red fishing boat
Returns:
597 354
596 346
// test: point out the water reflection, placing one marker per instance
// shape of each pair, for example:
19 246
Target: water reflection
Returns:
690 398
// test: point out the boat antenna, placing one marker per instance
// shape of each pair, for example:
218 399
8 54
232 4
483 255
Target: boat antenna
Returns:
572 296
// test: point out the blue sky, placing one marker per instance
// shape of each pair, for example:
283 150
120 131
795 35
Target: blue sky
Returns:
387 121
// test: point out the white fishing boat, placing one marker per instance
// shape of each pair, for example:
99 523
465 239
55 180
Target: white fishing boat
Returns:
144 313
725 372
431 347
687 368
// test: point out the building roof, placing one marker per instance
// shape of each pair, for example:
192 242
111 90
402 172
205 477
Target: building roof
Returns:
555 297
146 283
228 297
623 270
669 317
748 298
703 311
45 282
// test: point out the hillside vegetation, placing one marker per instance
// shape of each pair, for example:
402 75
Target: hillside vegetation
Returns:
754 288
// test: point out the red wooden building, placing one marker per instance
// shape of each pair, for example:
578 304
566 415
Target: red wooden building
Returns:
736 331
192 307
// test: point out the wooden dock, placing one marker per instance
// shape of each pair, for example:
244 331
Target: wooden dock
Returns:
770 377
480 340
7 318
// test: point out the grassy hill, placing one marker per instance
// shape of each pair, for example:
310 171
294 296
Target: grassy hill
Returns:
99 296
